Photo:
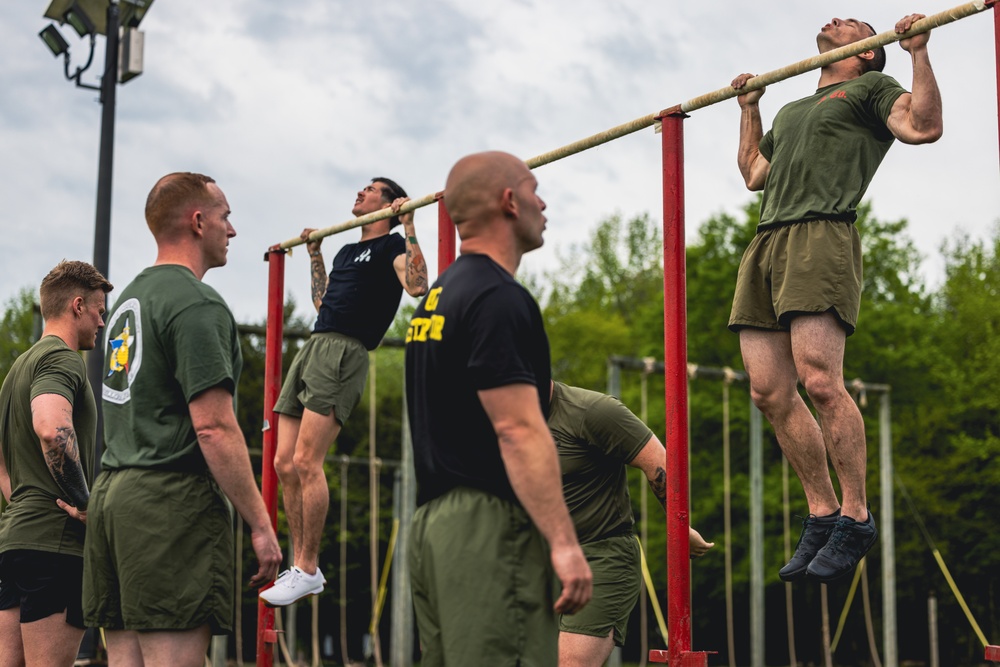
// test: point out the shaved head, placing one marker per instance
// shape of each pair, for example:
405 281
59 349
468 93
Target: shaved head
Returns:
477 182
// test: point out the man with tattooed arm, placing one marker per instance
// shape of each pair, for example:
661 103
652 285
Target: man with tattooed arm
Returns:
596 437
48 424
356 303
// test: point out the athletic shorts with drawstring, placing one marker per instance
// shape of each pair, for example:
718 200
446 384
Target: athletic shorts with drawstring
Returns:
483 584
158 553
800 268
328 373
614 564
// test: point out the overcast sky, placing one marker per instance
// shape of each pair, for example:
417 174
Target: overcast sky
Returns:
293 106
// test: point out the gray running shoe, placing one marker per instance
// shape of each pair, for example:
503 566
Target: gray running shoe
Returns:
848 543
815 532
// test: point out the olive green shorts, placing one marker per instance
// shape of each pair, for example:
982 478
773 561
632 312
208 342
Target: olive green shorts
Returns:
329 373
158 554
614 563
483 585
802 268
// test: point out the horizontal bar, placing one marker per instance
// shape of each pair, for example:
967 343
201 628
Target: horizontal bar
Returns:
382 214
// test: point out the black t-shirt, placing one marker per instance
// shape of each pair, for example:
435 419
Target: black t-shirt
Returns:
476 329
363 292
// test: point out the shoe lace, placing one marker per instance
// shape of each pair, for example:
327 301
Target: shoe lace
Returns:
839 535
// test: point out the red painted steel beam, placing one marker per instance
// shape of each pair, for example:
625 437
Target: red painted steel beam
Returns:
675 388
266 636
446 237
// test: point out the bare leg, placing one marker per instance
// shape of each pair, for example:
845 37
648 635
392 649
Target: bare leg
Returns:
284 467
182 648
584 650
11 648
123 648
767 356
316 434
818 343
51 641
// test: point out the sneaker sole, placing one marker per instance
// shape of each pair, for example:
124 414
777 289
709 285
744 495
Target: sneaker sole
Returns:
272 605
843 575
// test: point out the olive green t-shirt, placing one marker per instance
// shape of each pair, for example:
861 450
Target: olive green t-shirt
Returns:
596 436
169 338
33 520
824 150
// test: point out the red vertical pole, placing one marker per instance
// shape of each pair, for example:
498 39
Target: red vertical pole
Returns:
266 636
675 388
446 237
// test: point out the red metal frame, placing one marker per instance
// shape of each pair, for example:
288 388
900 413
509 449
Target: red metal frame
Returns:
266 635
446 237
675 389
993 653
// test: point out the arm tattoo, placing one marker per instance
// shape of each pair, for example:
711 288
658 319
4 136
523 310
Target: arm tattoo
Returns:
416 268
658 483
63 459
319 280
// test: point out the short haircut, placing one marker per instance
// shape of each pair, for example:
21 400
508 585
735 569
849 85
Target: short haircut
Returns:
390 193
876 64
67 281
172 194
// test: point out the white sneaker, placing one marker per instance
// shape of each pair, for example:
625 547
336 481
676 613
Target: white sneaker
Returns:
293 585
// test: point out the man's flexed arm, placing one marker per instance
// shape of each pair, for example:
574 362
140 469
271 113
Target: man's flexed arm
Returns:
52 419
916 118
529 455
411 269
318 277
752 164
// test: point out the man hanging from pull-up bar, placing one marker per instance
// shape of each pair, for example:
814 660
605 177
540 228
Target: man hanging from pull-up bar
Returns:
356 305
799 287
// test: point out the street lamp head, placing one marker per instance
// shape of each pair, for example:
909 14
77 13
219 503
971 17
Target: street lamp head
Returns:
76 17
131 12
54 40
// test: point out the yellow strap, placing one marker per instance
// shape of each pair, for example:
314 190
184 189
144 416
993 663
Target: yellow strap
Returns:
380 600
652 591
958 596
847 605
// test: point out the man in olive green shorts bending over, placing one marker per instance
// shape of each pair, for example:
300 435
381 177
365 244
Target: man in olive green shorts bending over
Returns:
597 436
799 287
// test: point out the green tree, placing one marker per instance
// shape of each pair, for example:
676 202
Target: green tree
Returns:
18 328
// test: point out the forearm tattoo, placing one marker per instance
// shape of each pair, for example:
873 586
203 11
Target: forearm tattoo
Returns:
319 280
63 459
658 483
416 268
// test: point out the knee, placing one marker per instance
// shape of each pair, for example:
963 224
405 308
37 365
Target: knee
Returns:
285 468
771 399
306 467
823 389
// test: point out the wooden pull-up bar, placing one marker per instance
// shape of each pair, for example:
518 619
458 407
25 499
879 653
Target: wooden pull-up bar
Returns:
760 81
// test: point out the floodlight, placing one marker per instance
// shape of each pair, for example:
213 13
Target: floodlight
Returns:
133 11
54 40
76 17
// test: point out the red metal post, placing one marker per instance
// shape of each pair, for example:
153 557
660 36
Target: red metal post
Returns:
993 653
446 238
675 388
266 635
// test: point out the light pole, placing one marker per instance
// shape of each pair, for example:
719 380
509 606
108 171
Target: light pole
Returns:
89 18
